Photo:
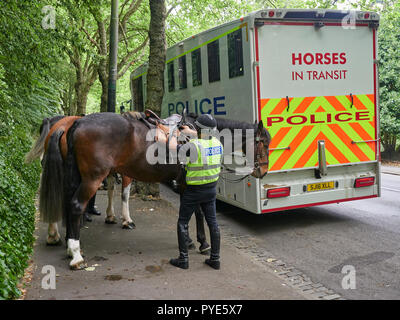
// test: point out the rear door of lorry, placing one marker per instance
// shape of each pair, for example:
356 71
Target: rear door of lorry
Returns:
322 88
317 81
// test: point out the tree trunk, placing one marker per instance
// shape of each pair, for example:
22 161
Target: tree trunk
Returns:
155 79
81 101
158 47
103 77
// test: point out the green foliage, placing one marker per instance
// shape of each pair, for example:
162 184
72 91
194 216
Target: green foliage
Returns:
389 70
29 87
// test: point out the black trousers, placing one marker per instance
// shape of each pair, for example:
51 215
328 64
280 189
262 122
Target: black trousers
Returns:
205 196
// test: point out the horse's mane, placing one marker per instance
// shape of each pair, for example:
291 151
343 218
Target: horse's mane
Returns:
233 124
223 123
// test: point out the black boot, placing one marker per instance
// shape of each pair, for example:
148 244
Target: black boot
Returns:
190 243
204 248
214 262
87 217
183 260
91 208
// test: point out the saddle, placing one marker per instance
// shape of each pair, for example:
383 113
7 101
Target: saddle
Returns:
153 121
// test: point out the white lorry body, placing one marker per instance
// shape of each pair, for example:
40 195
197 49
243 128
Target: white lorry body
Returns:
311 77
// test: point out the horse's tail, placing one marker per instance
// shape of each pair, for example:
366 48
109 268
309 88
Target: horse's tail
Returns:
72 176
38 148
51 204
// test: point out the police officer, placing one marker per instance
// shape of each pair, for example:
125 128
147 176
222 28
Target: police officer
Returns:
202 173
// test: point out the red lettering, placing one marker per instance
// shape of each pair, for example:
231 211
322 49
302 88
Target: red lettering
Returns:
272 120
312 118
337 117
336 74
311 60
343 58
335 58
290 120
294 58
327 57
329 74
318 58
362 115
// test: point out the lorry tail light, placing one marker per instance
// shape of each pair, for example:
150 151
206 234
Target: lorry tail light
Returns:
278 192
271 13
364 182
366 16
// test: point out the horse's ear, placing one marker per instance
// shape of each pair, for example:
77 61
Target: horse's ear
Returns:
260 125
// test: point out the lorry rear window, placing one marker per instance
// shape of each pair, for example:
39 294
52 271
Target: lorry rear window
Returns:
235 54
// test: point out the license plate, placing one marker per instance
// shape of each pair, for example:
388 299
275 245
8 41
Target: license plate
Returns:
321 186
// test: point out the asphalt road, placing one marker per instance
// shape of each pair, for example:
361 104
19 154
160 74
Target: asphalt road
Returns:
319 241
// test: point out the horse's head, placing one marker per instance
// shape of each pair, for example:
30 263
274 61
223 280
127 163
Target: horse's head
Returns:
262 139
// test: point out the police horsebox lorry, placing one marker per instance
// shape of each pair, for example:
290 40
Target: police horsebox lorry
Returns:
311 77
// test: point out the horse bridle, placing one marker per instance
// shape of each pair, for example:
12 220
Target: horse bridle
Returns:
257 163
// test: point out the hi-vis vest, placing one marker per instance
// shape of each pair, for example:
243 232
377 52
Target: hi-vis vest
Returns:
207 167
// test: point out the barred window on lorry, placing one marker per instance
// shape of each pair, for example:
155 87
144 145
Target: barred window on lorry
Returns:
213 61
182 72
196 68
171 77
235 54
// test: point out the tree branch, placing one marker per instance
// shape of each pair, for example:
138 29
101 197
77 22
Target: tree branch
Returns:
125 60
131 10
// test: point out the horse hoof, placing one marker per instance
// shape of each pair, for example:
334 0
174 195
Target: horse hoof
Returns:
52 242
78 266
129 226
111 220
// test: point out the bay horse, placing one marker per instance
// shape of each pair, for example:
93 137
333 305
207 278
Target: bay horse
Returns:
62 124
105 143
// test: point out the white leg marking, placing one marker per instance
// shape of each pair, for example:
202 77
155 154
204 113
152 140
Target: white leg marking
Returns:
74 252
125 205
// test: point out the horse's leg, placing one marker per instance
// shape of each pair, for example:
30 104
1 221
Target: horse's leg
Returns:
77 206
53 237
127 222
201 235
110 218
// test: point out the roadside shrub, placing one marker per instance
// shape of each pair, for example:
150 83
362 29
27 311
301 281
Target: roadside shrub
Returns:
18 185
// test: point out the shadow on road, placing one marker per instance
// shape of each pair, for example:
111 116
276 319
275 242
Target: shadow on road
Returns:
282 220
